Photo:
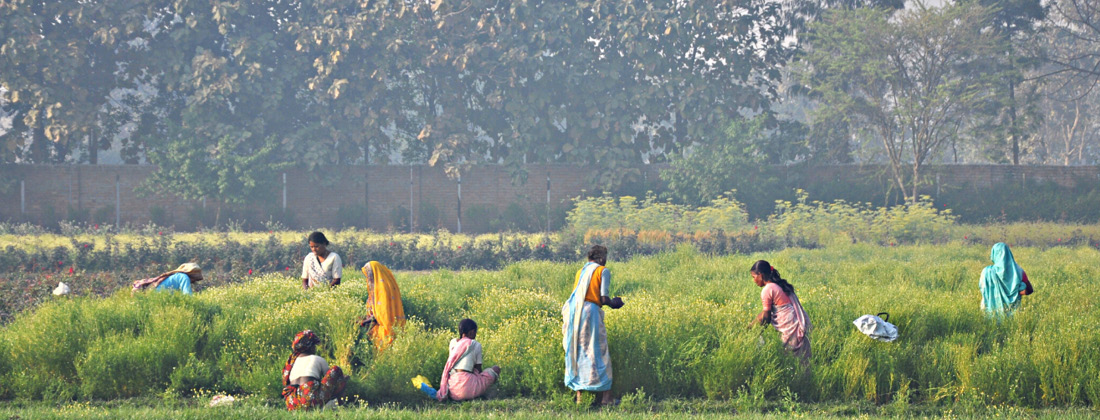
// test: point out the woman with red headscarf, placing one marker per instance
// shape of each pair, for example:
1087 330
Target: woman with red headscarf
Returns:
307 380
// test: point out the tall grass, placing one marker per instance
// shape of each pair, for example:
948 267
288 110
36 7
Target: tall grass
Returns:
681 335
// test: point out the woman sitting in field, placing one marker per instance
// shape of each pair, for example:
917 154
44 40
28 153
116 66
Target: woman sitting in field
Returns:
1003 283
782 310
308 382
179 279
463 378
584 335
384 308
321 266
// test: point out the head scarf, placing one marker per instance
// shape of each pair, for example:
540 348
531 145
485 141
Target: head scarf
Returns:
191 269
385 303
305 341
1002 282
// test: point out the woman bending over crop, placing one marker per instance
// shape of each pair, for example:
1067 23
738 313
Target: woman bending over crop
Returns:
179 279
463 378
321 266
1004 283
584 336
308 382
782 310
384 308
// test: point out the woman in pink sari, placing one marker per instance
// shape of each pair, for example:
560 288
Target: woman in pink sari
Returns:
782 310
463 378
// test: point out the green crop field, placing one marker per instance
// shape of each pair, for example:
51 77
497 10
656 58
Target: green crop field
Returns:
681 337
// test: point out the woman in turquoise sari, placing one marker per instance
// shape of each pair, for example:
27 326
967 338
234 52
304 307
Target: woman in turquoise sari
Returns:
584 336
1004 283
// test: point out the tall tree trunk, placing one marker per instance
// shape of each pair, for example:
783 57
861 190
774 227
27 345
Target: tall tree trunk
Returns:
40 145
916 182
93 150
1012 122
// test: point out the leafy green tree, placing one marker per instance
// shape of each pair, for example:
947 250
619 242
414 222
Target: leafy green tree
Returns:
229 99
231 171
743 161
1011 113
358 87
914 79
58 63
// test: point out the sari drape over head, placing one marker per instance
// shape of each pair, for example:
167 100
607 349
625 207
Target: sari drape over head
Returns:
384 303
191 269
1002 282
584 337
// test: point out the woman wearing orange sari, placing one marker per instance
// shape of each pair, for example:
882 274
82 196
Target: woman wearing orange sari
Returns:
384 308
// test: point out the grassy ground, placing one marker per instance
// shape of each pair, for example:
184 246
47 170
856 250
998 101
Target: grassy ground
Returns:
680 341
516 409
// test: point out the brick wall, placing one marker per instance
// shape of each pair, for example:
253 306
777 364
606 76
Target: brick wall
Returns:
49 191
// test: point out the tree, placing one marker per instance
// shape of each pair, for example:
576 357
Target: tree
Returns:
608 83
742 161
1076 22
1069 130
1013 22
228 99
58 63
357 93
914 79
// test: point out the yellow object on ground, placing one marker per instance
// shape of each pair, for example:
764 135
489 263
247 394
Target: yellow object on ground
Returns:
420 380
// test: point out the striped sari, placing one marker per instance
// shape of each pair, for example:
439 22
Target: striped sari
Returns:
584 337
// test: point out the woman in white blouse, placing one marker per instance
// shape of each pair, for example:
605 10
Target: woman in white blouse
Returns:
321 266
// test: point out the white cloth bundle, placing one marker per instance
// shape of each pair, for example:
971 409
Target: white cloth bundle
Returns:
62 289
877 328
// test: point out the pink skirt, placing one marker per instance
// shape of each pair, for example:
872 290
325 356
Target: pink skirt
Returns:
467 386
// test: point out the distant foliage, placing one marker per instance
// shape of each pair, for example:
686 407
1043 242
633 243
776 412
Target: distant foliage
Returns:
817 222
656 224
606 212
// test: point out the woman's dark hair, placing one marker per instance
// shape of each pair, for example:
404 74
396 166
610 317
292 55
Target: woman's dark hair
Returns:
771 275
598 253
465 326
318 238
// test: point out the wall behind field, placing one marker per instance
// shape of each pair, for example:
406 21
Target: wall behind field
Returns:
380 197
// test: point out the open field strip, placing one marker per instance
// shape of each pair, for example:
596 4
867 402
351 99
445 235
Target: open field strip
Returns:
681 335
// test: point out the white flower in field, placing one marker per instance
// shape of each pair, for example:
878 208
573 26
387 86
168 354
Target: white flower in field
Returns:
222 400
61 289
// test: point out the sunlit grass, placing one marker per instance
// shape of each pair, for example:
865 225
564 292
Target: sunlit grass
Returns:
681 336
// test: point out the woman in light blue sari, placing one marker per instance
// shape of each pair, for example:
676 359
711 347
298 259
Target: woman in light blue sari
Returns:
584 336
1004 283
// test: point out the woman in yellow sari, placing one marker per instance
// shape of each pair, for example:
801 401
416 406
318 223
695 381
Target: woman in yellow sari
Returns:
384 308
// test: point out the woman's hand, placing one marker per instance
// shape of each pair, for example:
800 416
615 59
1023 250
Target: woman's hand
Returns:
335 282
616 303
364 320
762 318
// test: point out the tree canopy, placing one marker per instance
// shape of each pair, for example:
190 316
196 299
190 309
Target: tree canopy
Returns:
450 83
196 85
913 79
